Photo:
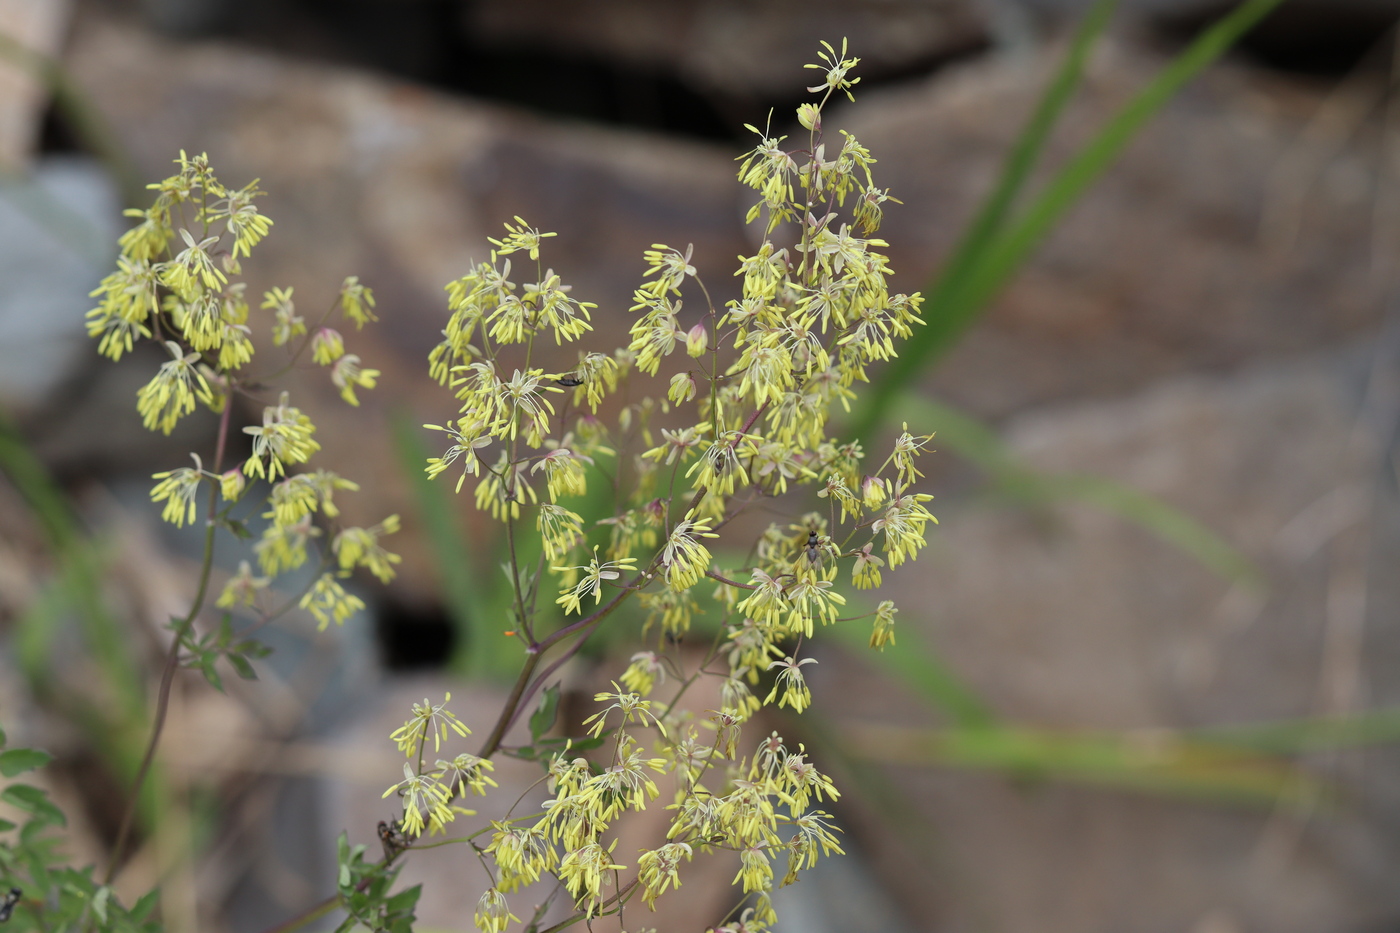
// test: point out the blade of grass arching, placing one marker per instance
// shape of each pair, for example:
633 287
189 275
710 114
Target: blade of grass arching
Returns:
1010 477
982 231
915 662
474 594
80 567
1298 736
1001 261
998 261
116 728
1165 764
1167 523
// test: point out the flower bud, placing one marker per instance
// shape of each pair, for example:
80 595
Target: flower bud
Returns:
232 484
697 340
810 116
327 347
682 388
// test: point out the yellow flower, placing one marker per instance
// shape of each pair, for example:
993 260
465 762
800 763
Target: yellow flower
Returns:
645 671
283 438
235 347
232 483
564 473
346 374
283 547
658 869
796 693
756 871
177 489
560 531
357 301
171 394
327 346
242 588
583 871
287 323
466 771
524 237
428 719
883 632
594 573
359 547
719 467
684 557
193 268
468 438
242 219
522 855
493 913
422 797
328 600
632 707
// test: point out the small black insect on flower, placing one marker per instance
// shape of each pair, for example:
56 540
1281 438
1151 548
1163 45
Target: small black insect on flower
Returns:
7 904
393 840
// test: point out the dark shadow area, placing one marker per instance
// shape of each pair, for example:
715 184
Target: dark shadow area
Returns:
428 41
1301 38
413 638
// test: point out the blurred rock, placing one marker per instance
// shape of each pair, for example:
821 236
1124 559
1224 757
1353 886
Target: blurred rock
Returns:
58 230
735 47
1076 619
37 26
1203 247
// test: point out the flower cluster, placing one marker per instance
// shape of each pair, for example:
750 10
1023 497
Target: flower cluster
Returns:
743 420
176 283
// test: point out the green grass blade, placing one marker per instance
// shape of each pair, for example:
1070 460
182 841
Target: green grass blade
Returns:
1298 736
1012 478
1166 764
982 232
997 261
1069 185
1167 523
915 662
80 567
473 594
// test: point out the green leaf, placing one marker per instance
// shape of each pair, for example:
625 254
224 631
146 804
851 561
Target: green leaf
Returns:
211 673
34 801
6 826
404 901
238 528
241 666
578 745
99 902
19 760
143 906
542 720
252 648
